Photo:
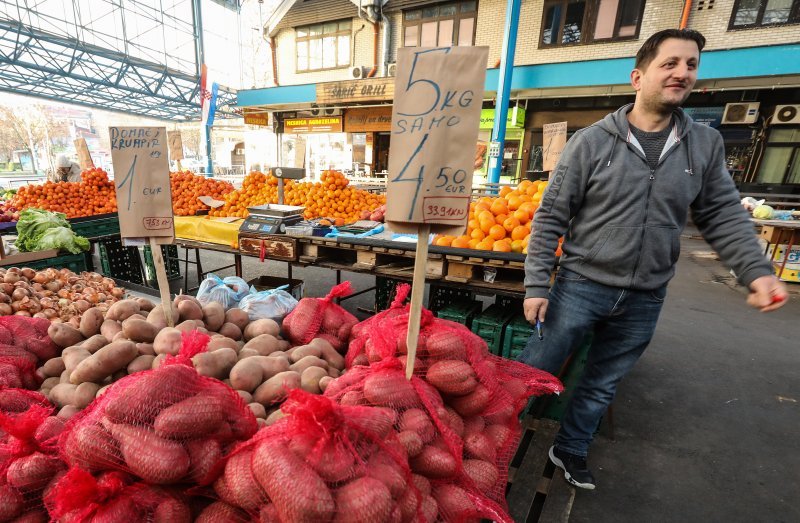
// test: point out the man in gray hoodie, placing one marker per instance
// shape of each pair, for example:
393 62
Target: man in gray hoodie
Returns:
620 195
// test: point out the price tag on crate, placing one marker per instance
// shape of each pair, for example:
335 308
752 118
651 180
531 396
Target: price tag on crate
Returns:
435 121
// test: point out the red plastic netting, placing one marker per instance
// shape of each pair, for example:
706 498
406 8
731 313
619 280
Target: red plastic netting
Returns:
322 462
29 462
165 426
482 394
18 373
111 497
29 335
321 318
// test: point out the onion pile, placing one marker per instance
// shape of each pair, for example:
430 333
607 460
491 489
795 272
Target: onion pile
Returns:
58 295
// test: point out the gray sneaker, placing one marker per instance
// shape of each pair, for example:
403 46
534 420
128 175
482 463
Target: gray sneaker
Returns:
575 470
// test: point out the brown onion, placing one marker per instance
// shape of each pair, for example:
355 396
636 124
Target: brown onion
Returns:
40 278
49 313
22 313
82 306
53 286
40 315
20 293
7 288
11 277
6 310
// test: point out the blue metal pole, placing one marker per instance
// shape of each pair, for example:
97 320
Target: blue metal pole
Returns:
504 86
209 163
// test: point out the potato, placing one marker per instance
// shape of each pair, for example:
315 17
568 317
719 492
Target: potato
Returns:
217 364
141 363
309 361
258 410
189 310
247 353
72 356
231 330
453 377
276 388
323 382
110 328
164 461
68 411
95 343
328 353
480 446
265 344
238 317
364 500
90 322
273 416
157 317
123 309
32 472
168 341
203 455
213 315
64 335
159 361
187 326
442 345
297 492
79 396
411 442
471 404
483 473
390 390
145 305
172 510
11 503
310 378
119 336
222 341
259 327
221 511
139 331
53 367
418 422
146 349
246 375
238 485
434 463
49 383
103 390
106 361
191 418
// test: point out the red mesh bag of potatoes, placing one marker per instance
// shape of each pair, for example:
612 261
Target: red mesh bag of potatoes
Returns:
18 373
79 497
321 318
482 394
322 462
432 435
29 462
164 426
29 335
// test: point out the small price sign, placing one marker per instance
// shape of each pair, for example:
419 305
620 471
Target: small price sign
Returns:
435 121
141 177
554 138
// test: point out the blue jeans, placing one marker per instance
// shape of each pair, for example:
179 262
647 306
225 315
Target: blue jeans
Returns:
623 322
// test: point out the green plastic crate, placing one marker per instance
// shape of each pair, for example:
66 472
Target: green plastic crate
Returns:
94 229
440 296
516 337
462 313
74 262
556 405
490 325
171 262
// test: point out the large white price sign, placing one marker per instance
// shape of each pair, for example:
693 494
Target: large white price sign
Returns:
435 121
141 178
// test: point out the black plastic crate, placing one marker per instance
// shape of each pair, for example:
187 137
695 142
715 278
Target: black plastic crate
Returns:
385 289
441 296
118 261
265 283
74 262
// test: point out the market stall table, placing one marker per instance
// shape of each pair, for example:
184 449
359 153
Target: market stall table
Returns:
777 233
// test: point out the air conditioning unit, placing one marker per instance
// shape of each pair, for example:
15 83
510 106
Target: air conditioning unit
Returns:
317 110
392 70
741 113
786 115
359 72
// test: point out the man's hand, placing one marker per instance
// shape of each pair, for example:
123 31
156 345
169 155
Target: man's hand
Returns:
535 308
767 293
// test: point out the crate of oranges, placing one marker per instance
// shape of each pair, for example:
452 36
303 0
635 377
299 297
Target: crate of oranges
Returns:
93 195
500 224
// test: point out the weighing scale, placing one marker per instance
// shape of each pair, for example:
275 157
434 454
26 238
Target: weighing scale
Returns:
271 219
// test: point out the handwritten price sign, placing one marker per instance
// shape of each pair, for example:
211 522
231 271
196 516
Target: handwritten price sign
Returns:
435 120
141 177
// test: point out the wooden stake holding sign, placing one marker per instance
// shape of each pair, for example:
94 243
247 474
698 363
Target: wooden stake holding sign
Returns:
84 157
435 121
144 199
175 147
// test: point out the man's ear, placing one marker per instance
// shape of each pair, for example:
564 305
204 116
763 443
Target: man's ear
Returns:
636 79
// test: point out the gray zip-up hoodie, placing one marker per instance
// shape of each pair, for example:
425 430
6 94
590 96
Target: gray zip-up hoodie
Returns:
622 221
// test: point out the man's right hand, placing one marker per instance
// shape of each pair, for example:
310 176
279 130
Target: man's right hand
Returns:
535 308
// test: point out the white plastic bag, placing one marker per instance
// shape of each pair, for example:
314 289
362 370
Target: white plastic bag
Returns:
273 304
228 292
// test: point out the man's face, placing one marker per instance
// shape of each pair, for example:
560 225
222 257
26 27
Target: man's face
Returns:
668 80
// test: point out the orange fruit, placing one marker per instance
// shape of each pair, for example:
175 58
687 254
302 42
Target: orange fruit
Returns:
477 234
526 239
485 215
485 245
481 206
501 246
497 232
523 186
519 232
473 224
486 225
522 216
504 191
531 190
514 202
462 242
517 246
500 218
473 243
510 223
499 206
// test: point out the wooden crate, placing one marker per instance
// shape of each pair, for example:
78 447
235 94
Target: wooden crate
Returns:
275 247
396 262
318 251
510 276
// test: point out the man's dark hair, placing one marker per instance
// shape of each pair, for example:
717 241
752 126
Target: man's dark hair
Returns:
649 49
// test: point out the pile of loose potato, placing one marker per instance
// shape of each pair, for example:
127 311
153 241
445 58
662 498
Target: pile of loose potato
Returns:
133 336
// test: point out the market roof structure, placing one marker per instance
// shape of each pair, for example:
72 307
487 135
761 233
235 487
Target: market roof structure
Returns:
139 56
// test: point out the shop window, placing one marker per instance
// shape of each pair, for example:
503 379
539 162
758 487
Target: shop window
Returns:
323 46
440 25
568 22
759 13
781 161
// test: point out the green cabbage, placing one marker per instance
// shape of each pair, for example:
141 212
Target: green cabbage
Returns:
39 230
763 212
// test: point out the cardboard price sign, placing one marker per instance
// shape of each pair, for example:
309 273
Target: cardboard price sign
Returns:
175 145
141 178
554 138
84 158
435 121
